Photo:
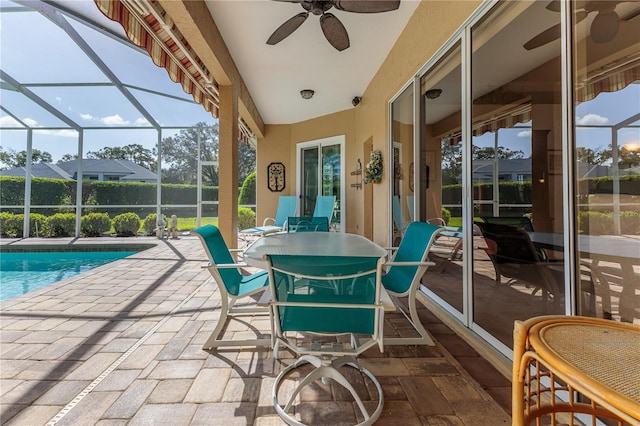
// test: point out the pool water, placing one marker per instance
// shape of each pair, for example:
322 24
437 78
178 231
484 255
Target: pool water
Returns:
22 272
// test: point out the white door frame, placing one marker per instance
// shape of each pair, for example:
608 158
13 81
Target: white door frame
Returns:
332 140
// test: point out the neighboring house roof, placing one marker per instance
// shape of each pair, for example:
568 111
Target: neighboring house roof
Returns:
516 165
125 170
40 170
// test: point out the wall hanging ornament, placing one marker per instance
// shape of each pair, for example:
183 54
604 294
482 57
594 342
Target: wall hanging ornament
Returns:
373 170
275 177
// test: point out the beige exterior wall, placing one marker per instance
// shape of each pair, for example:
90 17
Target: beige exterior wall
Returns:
429 28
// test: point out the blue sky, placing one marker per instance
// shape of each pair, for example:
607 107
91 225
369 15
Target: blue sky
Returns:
34 50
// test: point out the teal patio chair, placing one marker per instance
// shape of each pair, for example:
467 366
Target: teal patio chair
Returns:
233 285
309 324
399 221
307 224
408 264
325 205
287 206
411 205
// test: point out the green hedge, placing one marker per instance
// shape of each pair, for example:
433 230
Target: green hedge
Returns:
248 191
43 191
601 223
521 193
604 185
55 192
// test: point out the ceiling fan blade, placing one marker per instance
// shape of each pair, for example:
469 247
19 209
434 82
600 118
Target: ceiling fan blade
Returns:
547 36
367 6
554 6
631 15
287 28
334 31
551 34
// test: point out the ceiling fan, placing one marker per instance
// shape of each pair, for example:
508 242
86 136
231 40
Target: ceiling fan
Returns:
604 26
332 28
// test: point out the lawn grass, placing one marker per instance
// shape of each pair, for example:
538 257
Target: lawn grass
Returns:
189 223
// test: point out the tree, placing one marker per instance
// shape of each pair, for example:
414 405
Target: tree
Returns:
11 159
180 160
591 156
452 159
246 161
488 153
627 158
133 152
180 155
68 157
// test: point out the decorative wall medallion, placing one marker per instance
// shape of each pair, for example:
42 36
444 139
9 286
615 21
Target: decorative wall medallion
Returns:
275 177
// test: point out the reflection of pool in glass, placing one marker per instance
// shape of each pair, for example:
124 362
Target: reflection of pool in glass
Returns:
22 272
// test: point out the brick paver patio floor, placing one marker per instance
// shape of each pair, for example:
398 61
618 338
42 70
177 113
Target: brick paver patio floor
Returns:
122 344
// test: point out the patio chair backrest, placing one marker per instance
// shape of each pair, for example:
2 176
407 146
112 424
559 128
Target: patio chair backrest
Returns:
287 206
307 224
521 222
411 205
319 293
398 214
218 254
414 247
515 256
324 206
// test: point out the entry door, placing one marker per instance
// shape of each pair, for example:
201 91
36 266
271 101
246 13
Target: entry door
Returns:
321 166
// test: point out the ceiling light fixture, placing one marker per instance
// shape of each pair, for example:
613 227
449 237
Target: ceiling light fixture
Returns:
433 93
307 93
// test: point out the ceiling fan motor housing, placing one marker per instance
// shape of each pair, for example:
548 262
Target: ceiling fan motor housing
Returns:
317 7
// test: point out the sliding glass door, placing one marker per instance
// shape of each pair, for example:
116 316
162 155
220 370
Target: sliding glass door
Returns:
321 173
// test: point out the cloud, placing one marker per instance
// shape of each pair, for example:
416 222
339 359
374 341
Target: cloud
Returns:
8 121
64 133
110 120
591 119
59 99
142 122
524 134
30 122
114 120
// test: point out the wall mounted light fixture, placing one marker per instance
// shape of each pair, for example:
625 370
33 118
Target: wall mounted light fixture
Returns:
355 101
307 93
433 93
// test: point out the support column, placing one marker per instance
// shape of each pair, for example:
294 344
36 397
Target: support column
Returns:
228 166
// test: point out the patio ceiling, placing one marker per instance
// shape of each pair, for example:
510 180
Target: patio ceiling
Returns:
275 74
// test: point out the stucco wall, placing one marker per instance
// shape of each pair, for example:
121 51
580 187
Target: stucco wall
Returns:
431 25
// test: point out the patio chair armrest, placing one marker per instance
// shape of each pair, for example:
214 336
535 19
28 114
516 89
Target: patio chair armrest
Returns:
264 222
392 263
228 266
271 231
236 250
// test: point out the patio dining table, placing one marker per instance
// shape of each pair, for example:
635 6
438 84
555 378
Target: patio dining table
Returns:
314 244
311 244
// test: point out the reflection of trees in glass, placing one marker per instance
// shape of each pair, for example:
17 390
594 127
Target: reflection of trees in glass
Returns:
330 171
452 159
627 158
11 159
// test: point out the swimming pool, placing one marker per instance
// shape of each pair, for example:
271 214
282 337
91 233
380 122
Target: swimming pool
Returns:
25 271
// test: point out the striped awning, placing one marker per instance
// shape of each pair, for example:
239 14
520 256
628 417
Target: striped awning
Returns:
610 78
147 25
